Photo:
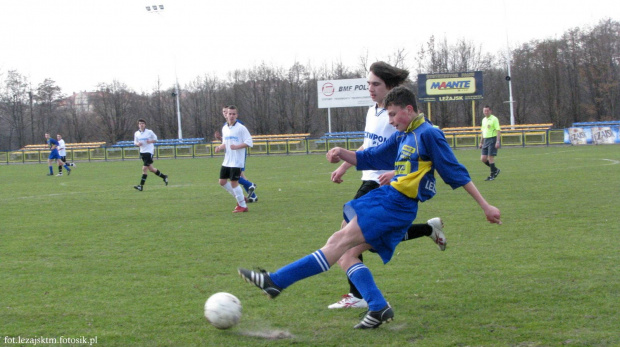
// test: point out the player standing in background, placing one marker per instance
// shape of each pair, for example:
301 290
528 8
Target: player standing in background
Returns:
54 155
381 79
62 151
235 139
491 134
247 185
145 139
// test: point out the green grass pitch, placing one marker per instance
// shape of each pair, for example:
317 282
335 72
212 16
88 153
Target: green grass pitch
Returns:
88 256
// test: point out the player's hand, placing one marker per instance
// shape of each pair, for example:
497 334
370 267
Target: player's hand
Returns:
333 155
386 178
493 215
337 175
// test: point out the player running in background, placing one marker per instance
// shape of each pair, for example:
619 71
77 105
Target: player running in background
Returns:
235 139
245 183
381 79
62 151
54 155
145 139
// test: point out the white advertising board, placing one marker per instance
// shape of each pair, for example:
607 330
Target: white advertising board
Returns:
343 93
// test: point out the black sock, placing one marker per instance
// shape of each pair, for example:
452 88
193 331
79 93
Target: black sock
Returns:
487 163
356 293
143 179
160 174
418 230
59 169
493 168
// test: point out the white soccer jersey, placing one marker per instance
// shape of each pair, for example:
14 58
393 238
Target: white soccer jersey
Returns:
378 129
62 150
235 135
148 134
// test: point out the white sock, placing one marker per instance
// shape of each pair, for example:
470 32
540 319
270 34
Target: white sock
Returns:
229 188
239 196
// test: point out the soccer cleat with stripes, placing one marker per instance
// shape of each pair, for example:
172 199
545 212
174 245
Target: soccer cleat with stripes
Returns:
138 187
437 234
262 280
373 319
496 173
166 179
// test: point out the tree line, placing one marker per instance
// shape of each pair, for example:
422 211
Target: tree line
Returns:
574 78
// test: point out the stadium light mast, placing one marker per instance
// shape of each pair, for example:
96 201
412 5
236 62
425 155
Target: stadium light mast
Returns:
159 9
508 77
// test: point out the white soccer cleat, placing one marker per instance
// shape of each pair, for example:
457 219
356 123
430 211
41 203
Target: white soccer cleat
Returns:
349 301
437 234
60 174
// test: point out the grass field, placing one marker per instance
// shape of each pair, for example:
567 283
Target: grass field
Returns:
88 256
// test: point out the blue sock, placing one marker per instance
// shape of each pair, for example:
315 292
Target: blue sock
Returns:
51 171
67 167
310 265
245 183
361 277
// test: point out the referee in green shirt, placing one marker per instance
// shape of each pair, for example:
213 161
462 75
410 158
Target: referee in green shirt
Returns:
491 135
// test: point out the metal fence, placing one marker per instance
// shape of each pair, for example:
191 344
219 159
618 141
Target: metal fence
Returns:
267 147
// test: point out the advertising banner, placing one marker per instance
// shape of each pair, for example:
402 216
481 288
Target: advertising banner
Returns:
343 93
458 86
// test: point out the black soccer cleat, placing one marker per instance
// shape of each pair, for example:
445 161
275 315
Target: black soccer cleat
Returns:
138 187
496 173
490 178
251 190
373 319
166 179
262 280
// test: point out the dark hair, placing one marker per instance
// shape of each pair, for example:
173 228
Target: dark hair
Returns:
392 76
401 96
232 107
141 120
487 106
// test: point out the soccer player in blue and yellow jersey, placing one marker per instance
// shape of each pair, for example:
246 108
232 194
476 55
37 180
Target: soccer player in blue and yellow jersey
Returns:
379 219
54 155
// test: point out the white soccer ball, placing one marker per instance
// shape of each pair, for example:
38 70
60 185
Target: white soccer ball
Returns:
223 310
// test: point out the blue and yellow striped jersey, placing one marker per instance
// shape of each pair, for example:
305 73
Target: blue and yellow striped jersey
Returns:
415 154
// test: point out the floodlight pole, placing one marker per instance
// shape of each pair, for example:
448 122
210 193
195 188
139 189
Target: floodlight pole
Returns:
158 9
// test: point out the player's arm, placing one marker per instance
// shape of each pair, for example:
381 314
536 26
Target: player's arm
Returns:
499 138
491 212
342 169
337 154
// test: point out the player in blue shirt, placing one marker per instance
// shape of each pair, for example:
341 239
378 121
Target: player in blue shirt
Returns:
380 219
54 155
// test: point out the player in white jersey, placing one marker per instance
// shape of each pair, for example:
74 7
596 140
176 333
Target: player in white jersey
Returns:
62 151
235 139
381 79
145 139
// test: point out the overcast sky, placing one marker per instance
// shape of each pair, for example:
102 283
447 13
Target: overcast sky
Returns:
80 43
